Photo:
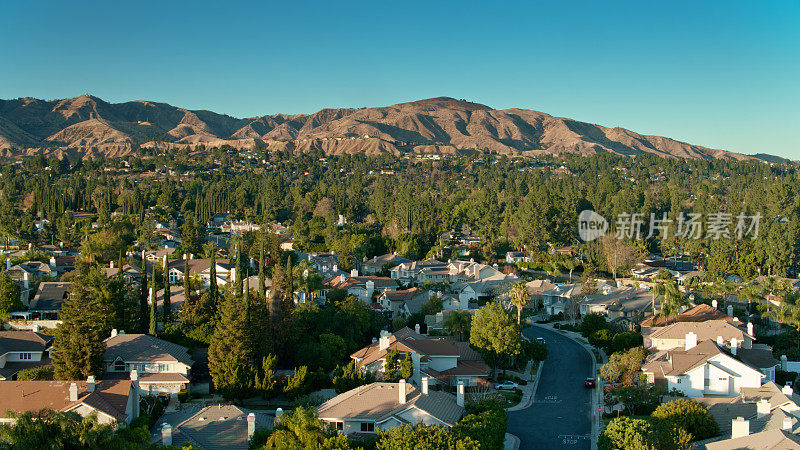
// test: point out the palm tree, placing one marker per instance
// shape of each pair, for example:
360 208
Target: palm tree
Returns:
519 296
673 300
782 314
457 322
570 264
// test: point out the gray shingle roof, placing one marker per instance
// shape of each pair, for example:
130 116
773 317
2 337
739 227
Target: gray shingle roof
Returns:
143 347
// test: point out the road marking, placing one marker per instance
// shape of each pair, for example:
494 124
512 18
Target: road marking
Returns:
572 439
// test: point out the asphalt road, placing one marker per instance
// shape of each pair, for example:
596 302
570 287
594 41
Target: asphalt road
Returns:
560 416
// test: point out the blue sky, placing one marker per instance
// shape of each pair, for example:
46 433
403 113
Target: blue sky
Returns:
718 74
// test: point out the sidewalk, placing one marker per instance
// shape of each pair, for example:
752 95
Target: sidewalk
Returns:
529 390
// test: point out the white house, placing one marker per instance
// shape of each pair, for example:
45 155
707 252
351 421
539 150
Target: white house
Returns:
21 350
704 369
381 406
161 366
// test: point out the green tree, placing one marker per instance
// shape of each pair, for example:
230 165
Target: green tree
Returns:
601 338
423 437
407 367
143 295
391 365
232 354
302 429
624 341
9 296
349 376
689 415
640 434
457 322
87 315
519 297
623 367
485 423
495 333
298 383
592 323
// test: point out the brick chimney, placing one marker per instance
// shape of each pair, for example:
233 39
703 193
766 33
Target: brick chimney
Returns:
251 426
750 328
73 392
460 394
424 385
690 341
401 392
740 428
90 383
734 346
166 434
114 332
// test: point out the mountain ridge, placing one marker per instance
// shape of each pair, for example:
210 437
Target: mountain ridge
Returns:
87 126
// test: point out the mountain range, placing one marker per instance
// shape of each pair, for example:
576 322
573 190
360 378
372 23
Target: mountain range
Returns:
87 126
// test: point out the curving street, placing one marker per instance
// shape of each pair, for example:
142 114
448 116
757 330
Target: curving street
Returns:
560 416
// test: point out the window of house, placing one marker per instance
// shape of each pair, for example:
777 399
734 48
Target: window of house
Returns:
369 427
119 366
340 426
25 356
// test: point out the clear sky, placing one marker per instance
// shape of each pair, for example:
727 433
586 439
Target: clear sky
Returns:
723 74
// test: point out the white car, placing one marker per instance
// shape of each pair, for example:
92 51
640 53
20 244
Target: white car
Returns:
506 386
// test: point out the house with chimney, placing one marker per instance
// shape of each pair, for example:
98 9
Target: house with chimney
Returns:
162 367
703 369
721 331
443 360
363 287
20 350
769 412
379 263
382 406
409 272
131 274
27 274
218 426
110 401
403 302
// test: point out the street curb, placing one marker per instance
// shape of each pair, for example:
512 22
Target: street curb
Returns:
535 383
511 442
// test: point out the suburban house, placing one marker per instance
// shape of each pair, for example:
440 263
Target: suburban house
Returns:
620 302
27 274
698 313
408 272
379 263
161 366
46 304
442 359
131 274
516 257
225 270
562 297
404 302
176 299
325 263
704 369
21 350
362 287
381 406
721 331
764 440
218 426
158 255
110 401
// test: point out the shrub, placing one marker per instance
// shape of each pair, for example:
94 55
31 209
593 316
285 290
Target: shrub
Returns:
626 340
592 323
601 338
43 373
627 433
689 415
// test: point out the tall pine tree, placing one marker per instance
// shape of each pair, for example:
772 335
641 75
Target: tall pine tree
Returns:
261 274
78 346
166 307
212 282
153 328
232 353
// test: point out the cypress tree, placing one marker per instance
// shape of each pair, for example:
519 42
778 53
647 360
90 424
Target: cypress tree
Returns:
239 270
187 282
212 284
153 302
143 287
166 307
261 274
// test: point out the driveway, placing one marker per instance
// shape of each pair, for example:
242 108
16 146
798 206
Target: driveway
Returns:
561 415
